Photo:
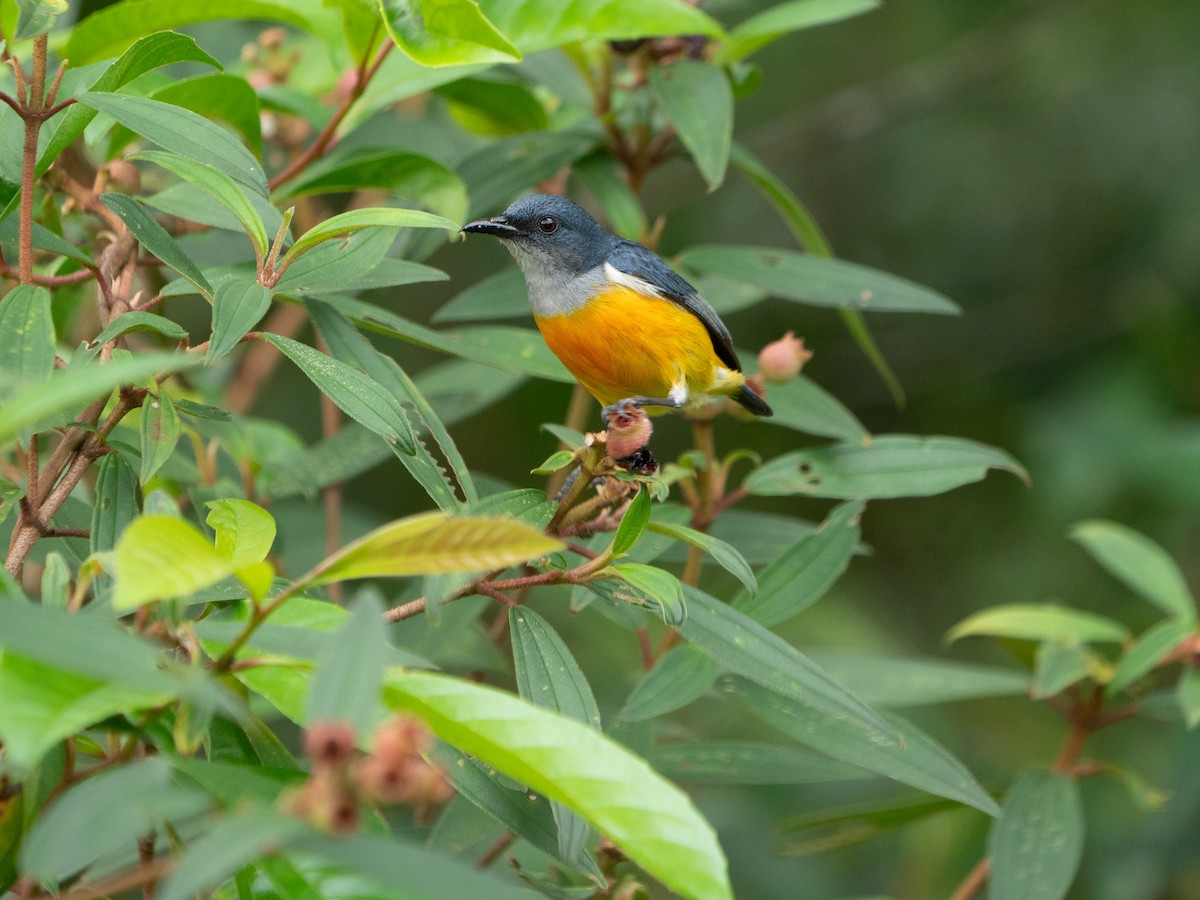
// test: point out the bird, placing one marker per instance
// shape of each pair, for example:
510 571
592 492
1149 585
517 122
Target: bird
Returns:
626 325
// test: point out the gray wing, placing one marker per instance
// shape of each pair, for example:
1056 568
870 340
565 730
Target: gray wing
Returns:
647 265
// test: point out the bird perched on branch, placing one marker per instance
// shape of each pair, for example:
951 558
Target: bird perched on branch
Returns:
623 322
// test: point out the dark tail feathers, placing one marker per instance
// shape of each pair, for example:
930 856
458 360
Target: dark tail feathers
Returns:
752 402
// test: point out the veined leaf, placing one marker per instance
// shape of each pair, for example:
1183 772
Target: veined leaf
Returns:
245 531
1040 622
238 305
446 32
803 405
160 431
160 557
1036 846
697 99
747 762
357 219
499 296
649 818
36 17
26 339
681 677
899 682
1148 651
853 823
659 586
1140 563
155 238
725 554
633 523
539 24
434 543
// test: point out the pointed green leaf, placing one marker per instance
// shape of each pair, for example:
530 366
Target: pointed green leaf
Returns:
360 397
803 405
897 682
116 502
358 262
539 24
801 575
155 238
647 817
784 18
1036 846
434 543
349 672
357 219
159 432
747 762
184 132
696 98
1057 666
903 752
633 523
1040 622
1187 695
1148 651
159 557
499 296
1140 563
135 320
725 554
214 95
245 531
238 305
56 580
894 465
681 677
446 32
26 339
854 823
35 17
659 586
816 280
600 175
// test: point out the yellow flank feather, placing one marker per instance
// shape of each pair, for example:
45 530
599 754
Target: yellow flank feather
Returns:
625 344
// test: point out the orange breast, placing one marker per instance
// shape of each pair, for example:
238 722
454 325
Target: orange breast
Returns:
623 344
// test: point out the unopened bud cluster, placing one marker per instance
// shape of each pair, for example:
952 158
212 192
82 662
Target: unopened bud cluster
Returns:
394 773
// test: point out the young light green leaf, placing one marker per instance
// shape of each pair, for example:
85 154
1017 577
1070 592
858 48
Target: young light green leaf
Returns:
548 676
902 752
633 523
1187 695
26 339
773 23
725 554
659 586
183 132
1040 622
1036 845
1147 652
696 98
360 397
35 17
56 581
557 460
803 405
893 682
802 574
747 762
446 32
159 557
237 306
434 543
160 432
348 222
681 677
219 186
894 465
245 531
647 817
349 672
816 280
155 238
540 24
68 389
1140 563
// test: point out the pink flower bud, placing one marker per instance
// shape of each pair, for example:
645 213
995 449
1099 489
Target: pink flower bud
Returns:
329 743
629 430
782 360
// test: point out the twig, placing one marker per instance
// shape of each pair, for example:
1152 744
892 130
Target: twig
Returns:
975 880
122 881
496 850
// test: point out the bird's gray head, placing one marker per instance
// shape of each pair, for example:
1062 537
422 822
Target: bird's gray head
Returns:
549 236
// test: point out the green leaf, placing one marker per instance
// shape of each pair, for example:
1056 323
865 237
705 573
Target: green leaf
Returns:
539 24
238 305
725 554
494 108
217 95
1036 846
1139 563
803 405
1187 695
71 388
681 677
100 815
245 531
56 580
434 543
160 557
599 174
1057 666
555 462
155 238
652 821
159 433
227 846
802 574
1147 652
633 523
116 502
349 672
504 168
35 17
217 185
660 586
894 465
696 98
743 646
135 320
348 222
356 263
499 296
446 32
183 132
408 175
144 55
747 762
548 676
815 280
773 23
26 339
902 752
357 395
899 682
1040 622
853 823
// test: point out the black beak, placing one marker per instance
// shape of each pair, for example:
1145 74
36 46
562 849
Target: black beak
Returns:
497 226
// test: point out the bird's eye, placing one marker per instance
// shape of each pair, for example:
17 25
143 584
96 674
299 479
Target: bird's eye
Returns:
548 225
